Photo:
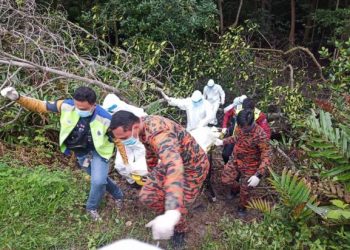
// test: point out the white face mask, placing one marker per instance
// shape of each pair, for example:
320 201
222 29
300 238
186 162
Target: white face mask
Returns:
84 113
197 104
131 140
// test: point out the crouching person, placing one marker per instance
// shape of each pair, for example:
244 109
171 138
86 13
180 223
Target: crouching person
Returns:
177 169
251 156
83 131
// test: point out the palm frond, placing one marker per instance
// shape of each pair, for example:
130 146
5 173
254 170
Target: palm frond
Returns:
261 205
295 192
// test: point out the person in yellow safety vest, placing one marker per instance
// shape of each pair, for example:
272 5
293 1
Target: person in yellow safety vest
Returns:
84 126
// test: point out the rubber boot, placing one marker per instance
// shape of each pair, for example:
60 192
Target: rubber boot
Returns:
178 240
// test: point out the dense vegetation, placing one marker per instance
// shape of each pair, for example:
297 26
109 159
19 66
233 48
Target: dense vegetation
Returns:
290 56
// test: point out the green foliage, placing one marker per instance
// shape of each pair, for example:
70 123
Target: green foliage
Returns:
336 22
290 100
157 20
339 68
338 213
295 194
43 209
272 233
331 145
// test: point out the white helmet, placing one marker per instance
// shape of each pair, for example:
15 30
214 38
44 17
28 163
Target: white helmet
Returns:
210 83
236 102
196 96
110 103
242 98
239 100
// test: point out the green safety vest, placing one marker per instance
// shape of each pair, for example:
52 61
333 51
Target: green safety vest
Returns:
98 126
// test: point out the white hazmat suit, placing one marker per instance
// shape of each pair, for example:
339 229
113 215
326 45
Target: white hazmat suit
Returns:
198 110
136 153
215 95
238 101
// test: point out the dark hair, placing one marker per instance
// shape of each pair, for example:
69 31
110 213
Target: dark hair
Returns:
85 94
248 103
124 119
245 118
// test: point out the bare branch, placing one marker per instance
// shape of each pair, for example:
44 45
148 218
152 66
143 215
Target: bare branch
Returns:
61 73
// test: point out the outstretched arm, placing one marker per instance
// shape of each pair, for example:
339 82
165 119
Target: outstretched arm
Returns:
31 104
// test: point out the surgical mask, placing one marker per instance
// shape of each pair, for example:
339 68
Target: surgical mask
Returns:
210 86
83 113
131 140
197 104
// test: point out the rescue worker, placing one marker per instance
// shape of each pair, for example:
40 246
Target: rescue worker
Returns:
259 117
198 110
84 126
215 95
229 123
177 169
131 159
251 157
230 113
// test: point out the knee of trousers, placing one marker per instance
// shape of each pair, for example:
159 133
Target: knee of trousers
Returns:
98 182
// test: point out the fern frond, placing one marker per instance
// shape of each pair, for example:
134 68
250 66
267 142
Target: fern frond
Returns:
330 144
295 192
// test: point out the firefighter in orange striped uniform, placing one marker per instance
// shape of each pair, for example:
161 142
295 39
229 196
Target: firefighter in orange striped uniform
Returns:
177 169
251 156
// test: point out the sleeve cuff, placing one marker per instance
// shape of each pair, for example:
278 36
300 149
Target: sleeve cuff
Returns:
257 174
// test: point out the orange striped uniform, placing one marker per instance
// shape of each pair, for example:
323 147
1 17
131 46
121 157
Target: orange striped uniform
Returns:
177 167
251 156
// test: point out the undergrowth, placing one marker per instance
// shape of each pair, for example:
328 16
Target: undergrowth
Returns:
44 209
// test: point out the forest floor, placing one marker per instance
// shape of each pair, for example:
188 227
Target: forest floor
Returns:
204 216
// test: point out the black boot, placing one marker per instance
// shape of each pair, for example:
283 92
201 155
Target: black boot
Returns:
231 195
178 240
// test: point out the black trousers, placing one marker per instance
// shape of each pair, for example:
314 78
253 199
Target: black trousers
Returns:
228 148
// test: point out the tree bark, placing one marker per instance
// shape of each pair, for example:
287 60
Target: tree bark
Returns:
221 16
238 13
292 24
309 22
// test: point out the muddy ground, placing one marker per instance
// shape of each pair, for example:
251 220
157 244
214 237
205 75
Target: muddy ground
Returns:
204 215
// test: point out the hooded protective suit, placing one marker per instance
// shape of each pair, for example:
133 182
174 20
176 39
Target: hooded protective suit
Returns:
136 153
215 95
199 111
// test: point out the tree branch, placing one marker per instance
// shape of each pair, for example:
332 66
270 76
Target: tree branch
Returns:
31 65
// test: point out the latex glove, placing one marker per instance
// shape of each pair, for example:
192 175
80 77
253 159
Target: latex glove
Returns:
253 181
223 130
218 142
163 225
11 93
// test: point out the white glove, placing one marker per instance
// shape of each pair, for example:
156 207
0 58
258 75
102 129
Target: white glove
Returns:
218 142
223 130
253 181
163 225
10 92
